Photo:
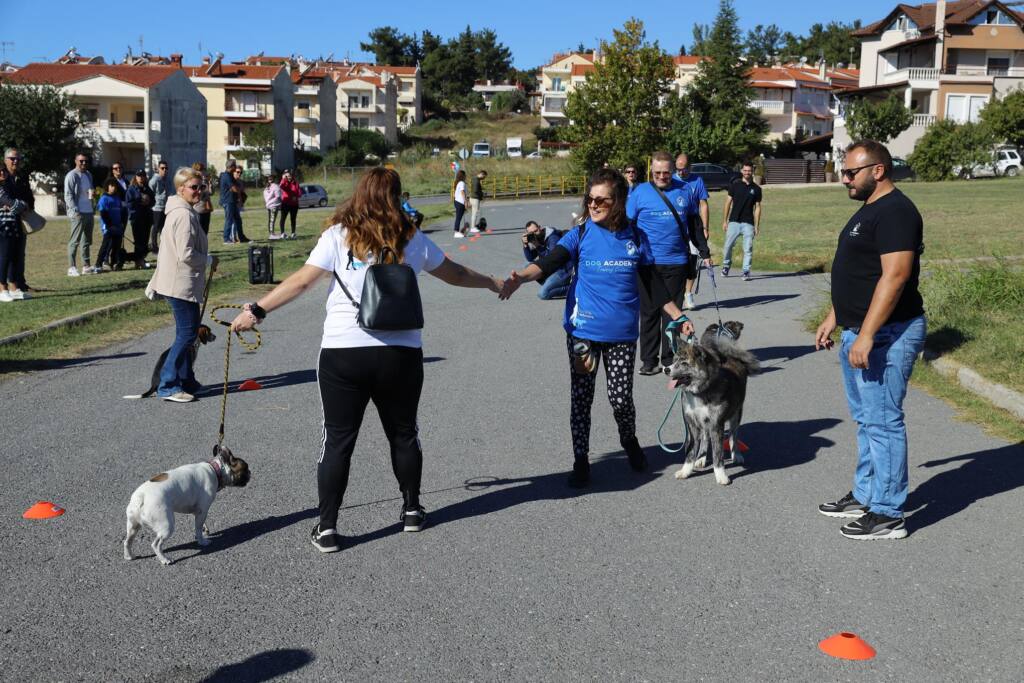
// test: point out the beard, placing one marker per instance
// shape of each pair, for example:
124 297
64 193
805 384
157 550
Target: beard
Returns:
864 191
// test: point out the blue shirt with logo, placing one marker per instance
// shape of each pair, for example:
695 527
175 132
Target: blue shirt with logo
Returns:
698 191
603 302
669 244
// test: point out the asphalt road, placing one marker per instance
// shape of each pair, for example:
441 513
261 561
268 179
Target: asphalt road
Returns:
641 577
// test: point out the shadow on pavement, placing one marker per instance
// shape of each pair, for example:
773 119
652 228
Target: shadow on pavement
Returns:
777 445
757 300
286 379
980 475
817 270
784 352
262 667
241 533
59 363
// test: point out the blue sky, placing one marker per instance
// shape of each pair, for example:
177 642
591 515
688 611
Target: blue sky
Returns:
533 29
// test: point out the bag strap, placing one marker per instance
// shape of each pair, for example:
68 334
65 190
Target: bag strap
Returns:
668 203
345 289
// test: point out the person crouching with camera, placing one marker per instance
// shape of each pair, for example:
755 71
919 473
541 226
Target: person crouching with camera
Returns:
538 242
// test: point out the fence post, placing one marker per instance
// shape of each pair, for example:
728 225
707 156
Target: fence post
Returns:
517 187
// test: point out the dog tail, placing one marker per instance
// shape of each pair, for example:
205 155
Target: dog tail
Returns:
732 351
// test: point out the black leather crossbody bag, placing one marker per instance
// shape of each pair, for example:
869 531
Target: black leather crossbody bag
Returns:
390 300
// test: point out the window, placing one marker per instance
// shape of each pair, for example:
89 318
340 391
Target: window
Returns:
991 16
964 108
997 66
303 107
241 101
360 122
556 85
89 113
901 23
140 117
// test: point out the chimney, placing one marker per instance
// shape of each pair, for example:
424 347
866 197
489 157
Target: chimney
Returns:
940 34
176 58
821 68
206 60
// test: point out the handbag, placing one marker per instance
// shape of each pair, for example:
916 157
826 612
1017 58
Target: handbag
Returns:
390 300
32 222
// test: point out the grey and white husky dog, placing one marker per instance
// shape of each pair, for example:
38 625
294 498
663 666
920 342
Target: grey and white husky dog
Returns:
713 376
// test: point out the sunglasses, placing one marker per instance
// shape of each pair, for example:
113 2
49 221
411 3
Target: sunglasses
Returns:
598 202
15 158
196 187
851 173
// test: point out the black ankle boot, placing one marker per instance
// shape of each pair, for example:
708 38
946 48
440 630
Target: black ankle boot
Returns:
637 459
580 477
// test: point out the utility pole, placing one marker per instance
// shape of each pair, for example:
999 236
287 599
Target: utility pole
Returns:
4 44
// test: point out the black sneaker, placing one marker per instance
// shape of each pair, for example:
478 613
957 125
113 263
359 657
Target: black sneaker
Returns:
637 459
874 526
847 506
580 477
326 541
650 370
413 518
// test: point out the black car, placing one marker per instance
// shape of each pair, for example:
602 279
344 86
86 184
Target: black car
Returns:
901 170
715 177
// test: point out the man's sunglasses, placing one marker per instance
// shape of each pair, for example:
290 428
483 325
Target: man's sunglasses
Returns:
851 173
598 202
15 158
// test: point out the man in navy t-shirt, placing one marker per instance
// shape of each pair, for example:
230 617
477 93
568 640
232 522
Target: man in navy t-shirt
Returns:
698 218
659 210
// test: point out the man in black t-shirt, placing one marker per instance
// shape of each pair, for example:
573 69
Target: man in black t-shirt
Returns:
876 300
742 217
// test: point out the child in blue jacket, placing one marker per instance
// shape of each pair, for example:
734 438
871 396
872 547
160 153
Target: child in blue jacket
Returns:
112 220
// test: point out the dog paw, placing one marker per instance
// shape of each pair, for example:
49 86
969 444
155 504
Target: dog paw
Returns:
722 478
683 472
128 557
165 561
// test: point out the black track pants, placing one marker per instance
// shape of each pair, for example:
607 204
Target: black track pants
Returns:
654 346
390 376
619 361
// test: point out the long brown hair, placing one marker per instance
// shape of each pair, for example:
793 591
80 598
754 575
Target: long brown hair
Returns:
617 218
373 215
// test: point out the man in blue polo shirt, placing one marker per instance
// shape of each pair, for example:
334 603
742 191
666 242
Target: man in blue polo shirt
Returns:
659 210
698 218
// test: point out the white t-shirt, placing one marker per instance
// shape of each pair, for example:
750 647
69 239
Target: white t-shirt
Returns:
85 194
341 331
460 193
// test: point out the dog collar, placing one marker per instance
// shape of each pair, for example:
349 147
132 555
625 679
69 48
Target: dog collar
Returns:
218 471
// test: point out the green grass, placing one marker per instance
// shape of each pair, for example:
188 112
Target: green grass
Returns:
476 127
59 296
799 227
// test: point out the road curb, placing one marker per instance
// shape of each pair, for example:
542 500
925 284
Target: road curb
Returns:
73 320
993 392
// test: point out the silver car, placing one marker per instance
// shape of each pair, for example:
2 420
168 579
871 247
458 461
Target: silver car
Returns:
312 195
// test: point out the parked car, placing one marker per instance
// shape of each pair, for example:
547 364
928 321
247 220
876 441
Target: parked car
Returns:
312 195
715 177
1005 162
481 149
901 170
535 154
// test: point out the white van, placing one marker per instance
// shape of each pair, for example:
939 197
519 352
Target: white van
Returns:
481 149
514 146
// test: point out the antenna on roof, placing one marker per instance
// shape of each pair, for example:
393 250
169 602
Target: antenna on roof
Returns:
140 44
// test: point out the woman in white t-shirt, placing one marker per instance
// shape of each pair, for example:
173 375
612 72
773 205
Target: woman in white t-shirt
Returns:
460 202
357 365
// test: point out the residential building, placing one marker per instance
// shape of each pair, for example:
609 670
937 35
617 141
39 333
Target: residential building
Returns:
133 115
946 60
240 97
685 67
488 89
316 108
368 100
408 85
558 79
795 102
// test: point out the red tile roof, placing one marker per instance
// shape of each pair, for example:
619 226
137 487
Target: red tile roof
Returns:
957 12
582 69
687 59
62 74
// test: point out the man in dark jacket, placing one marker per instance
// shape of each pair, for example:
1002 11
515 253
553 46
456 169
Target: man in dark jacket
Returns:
18 188
475 198
538 243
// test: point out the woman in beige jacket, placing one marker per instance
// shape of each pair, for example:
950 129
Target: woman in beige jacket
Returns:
180 278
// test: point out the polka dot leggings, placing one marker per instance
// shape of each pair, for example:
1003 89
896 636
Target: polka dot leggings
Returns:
619 361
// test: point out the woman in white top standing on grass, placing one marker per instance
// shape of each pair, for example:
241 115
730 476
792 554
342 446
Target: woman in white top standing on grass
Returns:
358 365
460 202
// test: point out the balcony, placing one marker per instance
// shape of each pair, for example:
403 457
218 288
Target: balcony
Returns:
309 90
241 110
917 77
923 120
306 119
553 106
233 143
773 107
126 133
983 74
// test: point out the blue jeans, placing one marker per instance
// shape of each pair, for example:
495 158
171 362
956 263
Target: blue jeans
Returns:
556 286
176 374
876 398
232 222
733 234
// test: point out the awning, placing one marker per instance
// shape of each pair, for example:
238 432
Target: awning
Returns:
241 86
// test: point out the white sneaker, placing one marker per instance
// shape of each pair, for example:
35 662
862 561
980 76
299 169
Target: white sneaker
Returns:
458 235
88 270
19 295
5 296
474 230
688 301
73 272
180 397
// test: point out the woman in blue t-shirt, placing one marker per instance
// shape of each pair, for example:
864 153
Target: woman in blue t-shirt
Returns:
602 311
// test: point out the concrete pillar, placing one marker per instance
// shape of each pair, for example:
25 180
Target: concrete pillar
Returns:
148 161
940 30
907 97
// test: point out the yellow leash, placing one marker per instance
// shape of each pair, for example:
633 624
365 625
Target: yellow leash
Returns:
251 346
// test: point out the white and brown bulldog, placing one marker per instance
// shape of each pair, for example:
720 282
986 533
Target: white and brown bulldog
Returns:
189 489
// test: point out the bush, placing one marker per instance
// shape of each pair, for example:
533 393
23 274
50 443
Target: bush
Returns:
504 102
948 147
307 157
355 146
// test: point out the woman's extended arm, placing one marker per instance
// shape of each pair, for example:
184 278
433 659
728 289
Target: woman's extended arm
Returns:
294 285
542 267
460 276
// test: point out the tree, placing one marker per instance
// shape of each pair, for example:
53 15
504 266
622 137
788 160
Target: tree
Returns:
713 120
616 114
392 48
504 102
700 39
949 150
528 79
763 44
493 60
42 122
259 143
832 42
880 121
1005 118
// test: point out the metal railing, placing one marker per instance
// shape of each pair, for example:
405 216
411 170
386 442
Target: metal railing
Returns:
772 106
911 74
517 186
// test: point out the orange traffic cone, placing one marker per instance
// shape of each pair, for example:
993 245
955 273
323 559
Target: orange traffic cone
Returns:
249 385
474 238
463 248
742 447
43 510
846 645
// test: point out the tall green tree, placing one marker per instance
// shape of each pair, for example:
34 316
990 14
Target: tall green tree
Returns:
700 38
763 43
1005 118
713 119
42 122
493 60
616 114
391 47
832 41
881 121
259 143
